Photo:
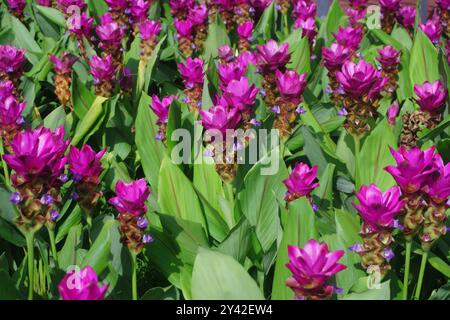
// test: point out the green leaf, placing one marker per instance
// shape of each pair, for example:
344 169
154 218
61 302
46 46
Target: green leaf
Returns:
300 57
219 277
266 22
9 290
25 39
53 15
82 98
68 254
55 119
424 65
375 156
98 255
382 293
299 226
237 242
259 198
149 149
217 37
179 198
89 121
443 293
333 19
145 70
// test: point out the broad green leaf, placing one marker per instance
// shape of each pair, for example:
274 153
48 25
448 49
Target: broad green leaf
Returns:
67 256
219 277
8 288
300 57
298 228
382 293
237 242
424 65
55 119
145 71
265 23
90 120
82 98
217 37
443 293
375 156
333 19
178 197
99 253
149 149
53 15
25 39
258 199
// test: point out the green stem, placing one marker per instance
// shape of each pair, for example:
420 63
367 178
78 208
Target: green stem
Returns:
134 275
89 226
421 274
407 265
51 236
30 254
4 165
357 141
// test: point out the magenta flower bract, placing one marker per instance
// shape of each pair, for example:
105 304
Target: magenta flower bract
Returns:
81 25
38 152
161 108
85 164
260 5
245 30
198 14
389 57
349 37
360 79
301 181
192 71
407 16
240 94
110 32
117 5
11 59
304 10
81 285
308 27
220 118
139 10
65 5
335 56
311 268
17 6
245 58
6 89
413 169
102 69
131 197
355 16
291 85
45 3
10 111
271 56
184 28
63 65
430 96
438 186
389 5
432 29
358 4
230 71
392 113
225 52
149 29
377 208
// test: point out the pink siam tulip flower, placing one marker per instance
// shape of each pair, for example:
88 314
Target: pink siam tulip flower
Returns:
11 59
335 56
198 14
102 69
80 26
84 164
304 10
260 5
355 16
430 96
117 5
245 30
308 27
389 5
161 108
358 4
312 266
392 113
432 29
230 71
66 5
291 85
63 65
414 168
139 10
6 89
378 209
45 3
184 28
438 187
149 29
245 58
192 71
389 57
407 16
220 118
83 285
180 6
126 80
349 37
271 56
38 152
16 6
301 182
225 4
360 79
131 197
10 111
225 53
240 94
109 32
443 4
